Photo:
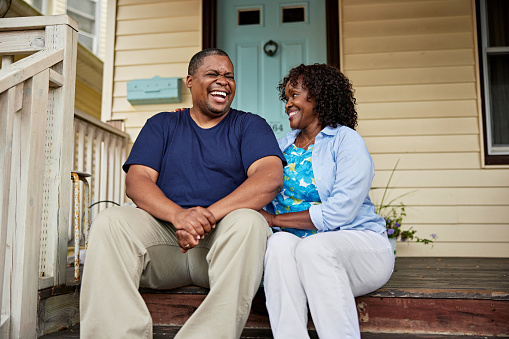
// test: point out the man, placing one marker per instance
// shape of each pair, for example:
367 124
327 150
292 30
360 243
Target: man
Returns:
198 177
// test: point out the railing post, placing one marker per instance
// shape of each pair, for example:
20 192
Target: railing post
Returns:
7 107
36 102
60 152
27 195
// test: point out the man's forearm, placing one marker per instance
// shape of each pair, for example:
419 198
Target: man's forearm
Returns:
249 195
256 192
149 197
142 189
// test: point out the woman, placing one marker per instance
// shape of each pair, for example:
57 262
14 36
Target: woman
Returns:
328 244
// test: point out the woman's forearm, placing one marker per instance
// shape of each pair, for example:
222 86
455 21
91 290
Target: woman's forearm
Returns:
300 220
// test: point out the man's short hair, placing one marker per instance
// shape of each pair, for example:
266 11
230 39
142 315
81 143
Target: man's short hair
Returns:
197 59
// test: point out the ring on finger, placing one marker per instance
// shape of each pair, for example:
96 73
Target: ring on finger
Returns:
186 246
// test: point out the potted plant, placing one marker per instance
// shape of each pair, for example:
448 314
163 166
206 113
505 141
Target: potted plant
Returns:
393 215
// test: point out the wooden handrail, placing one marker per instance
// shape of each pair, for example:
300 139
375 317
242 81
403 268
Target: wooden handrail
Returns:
37 22
36 101
99 124
28 67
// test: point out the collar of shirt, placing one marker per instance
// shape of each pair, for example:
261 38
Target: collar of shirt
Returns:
289 139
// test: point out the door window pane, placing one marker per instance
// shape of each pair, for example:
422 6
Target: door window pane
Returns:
248 17
293 14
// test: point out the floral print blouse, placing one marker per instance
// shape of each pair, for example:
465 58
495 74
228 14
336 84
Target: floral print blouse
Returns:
299 188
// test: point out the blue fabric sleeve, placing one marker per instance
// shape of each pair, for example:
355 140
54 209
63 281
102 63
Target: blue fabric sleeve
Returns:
258 142
148 149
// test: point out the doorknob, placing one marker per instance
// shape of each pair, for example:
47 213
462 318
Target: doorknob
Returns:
270 48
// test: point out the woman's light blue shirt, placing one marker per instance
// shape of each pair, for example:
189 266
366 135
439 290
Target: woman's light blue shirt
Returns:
343 171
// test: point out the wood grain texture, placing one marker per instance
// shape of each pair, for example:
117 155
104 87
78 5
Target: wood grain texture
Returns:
425 298
424 295
450 316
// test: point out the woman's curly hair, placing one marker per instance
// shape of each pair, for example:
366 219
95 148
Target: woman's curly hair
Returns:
332 91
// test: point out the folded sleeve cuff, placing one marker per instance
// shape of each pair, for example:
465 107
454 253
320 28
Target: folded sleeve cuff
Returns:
315 212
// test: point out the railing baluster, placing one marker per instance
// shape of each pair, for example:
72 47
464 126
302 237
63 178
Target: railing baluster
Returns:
96 177
111 168
104 167
100 151
109 146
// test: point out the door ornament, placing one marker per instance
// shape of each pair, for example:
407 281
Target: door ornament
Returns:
270 48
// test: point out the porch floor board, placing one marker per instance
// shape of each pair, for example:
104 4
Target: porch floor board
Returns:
169 332
471 278
427 286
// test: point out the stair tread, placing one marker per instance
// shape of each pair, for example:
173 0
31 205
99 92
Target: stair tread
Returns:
169 332
466 278
425 295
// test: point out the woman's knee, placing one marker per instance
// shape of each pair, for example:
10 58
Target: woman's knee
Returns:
311 250
281 245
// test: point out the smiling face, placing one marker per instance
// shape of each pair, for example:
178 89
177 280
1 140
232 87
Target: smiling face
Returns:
212 87
299 108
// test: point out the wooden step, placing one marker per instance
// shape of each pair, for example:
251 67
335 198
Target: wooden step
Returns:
461 296
425 298
169 332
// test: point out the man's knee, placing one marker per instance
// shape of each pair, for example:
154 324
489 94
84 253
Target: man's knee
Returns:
107 217
247 220
114 221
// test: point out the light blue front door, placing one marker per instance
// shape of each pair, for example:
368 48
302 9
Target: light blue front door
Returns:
264 39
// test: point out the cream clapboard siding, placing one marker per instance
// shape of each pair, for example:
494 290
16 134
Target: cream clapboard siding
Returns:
153 37
413 64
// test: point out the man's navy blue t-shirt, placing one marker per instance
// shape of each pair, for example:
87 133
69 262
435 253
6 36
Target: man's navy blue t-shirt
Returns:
197 166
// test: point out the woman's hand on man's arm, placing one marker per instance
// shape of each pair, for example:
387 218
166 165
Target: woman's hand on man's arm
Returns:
268 216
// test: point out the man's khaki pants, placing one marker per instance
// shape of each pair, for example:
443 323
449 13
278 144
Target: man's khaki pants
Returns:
129 248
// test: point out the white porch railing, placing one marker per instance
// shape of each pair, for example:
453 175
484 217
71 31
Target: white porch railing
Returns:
36 117
100 150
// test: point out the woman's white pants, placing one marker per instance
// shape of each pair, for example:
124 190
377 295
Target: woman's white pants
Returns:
325 271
